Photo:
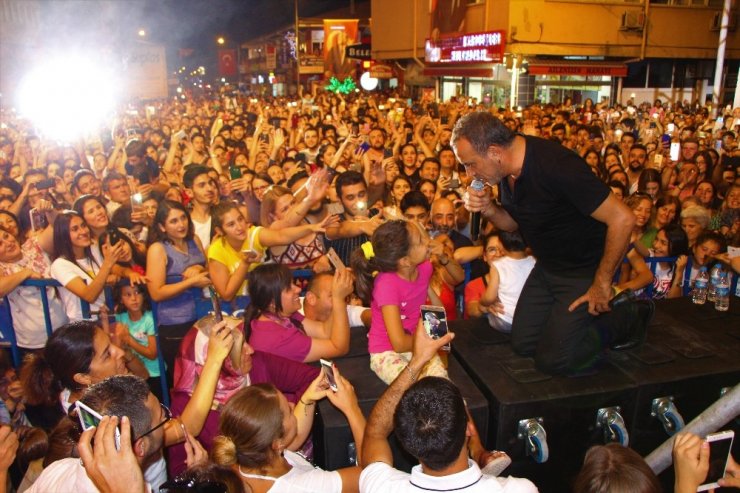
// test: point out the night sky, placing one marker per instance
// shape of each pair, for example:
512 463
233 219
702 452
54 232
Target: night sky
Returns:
177 24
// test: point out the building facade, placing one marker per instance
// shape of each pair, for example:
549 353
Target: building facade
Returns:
555 49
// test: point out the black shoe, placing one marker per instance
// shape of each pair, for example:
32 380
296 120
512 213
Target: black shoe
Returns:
623 296
644 311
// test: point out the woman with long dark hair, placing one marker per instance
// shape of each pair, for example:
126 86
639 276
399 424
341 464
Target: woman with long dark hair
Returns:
176 272
80 269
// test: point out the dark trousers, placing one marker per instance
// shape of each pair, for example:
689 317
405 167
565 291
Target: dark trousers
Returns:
170 337
561 341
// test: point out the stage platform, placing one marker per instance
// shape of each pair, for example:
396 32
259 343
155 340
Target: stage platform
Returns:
691 354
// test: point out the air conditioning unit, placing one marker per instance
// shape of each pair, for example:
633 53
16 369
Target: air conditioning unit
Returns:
632 21
717 22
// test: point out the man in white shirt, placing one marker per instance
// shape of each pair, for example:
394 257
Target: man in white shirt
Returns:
442 440
121 395
203 193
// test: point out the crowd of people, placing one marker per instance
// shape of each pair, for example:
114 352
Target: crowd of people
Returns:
226 196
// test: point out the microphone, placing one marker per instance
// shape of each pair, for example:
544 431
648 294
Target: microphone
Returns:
478 186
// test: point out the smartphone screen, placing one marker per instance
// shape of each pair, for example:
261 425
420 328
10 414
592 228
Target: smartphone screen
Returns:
235 172
720 445
434 319
38 219
329 371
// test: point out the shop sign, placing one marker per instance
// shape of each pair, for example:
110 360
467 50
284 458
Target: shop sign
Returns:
359 51
483 47
381 72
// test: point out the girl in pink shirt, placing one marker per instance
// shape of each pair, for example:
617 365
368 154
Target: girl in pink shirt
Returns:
392 275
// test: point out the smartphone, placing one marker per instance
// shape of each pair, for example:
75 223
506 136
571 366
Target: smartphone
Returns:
670 128
720 444
131 132
365 146
114 235
38 219
181 135
328 367
454 184
235 172
718 145
89 418
434 319
216 303
658 161
335 208
387 153
675 151
137 201
331 254
45 184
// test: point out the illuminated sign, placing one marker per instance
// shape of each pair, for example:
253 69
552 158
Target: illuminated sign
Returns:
485 47
360 51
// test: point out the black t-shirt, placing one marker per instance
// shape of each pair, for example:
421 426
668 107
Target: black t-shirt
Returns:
552 202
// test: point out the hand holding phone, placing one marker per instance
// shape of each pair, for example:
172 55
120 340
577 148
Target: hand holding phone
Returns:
434 319
720 445
89 418
328 368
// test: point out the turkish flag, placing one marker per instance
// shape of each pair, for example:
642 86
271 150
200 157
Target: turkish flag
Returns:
227 62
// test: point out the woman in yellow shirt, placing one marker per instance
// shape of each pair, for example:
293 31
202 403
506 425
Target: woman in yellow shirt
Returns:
240 246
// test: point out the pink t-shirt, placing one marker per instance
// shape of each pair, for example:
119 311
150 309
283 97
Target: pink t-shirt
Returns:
390 289
280 337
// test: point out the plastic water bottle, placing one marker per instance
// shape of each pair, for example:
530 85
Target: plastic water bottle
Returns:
722 296
699 293
713 281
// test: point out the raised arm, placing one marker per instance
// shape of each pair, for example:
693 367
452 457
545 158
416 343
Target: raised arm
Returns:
375 447
338 342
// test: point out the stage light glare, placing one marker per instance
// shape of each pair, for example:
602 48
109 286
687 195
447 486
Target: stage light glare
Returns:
67 98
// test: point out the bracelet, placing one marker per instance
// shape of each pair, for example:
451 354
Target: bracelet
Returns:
307 405
411 372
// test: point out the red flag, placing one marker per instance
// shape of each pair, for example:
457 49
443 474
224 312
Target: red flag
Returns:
227 62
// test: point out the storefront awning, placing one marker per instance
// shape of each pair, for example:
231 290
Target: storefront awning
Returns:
577 67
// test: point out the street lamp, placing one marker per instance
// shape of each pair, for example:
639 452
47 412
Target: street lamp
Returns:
220 40
142 33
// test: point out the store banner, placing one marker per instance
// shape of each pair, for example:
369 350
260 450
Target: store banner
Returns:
227 62
338 34
270 57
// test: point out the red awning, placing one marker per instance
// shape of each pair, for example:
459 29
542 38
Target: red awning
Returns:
459 71
577 67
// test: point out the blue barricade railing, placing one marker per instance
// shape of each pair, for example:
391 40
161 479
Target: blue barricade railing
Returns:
202 307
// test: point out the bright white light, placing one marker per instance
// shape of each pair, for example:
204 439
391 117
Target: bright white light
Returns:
179 90
142 33
67 97
368 83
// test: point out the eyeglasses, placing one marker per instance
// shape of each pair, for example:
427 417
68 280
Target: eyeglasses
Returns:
182 485
167 417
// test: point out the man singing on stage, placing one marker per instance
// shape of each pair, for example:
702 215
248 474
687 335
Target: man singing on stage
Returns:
576 228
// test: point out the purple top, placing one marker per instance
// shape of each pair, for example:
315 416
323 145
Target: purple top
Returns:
390 289
281 336
291 378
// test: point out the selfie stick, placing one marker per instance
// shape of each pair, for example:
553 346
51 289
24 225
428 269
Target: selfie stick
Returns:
709 421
